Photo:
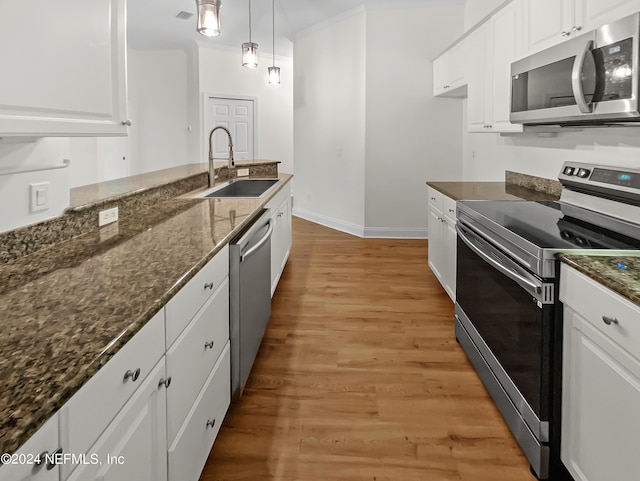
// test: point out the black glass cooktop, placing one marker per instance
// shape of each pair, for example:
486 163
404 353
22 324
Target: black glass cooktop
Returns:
546 226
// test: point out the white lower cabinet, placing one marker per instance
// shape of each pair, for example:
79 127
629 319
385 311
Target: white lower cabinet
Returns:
134 446
442 240
188 453
601 381
23 467
281 238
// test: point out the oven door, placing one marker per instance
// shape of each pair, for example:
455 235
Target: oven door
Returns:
504 316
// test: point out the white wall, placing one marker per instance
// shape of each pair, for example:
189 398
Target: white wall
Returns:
14 189
221 73
329 115
411 137
476 10
368 132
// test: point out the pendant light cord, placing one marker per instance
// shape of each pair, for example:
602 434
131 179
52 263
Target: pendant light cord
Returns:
273 18
249 21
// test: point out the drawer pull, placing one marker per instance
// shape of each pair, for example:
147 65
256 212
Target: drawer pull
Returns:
209 345
51 463
134 375
453 211
211 424
41 458
609 320
209 286
433 198
164 382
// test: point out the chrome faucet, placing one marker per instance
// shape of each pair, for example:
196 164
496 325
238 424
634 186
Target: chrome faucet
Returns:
231 163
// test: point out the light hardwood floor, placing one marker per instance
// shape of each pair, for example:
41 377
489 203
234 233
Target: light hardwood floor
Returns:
359 377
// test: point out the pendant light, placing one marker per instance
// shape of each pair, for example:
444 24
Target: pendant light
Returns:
250 49
209 17
274 72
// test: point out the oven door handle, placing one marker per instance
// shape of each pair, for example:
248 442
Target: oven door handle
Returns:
535 289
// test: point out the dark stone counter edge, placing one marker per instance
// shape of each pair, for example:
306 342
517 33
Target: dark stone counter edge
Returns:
617 287
127 334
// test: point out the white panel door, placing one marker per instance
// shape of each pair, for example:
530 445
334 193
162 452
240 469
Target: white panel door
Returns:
591 14
238 116
547 23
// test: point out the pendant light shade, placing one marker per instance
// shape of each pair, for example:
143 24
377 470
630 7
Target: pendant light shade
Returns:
250 49
274 75
209 17
274 72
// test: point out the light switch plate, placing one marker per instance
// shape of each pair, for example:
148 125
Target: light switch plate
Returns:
39 196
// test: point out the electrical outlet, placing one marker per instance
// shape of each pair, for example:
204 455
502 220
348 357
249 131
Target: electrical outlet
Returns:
242 172
107 216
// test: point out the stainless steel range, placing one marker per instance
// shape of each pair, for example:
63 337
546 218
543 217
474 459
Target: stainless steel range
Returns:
508 318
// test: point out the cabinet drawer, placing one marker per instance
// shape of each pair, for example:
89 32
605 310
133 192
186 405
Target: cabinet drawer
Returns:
188 301
593 301
192 357
449 207
45 440
86 415
435 198
189 452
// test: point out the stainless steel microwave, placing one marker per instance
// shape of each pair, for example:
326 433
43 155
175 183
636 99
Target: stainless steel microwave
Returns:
591 79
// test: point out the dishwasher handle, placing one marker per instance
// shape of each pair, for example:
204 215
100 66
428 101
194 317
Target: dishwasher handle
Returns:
266 237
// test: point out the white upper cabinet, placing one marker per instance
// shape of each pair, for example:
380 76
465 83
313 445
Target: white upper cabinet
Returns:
491 50
449 73
63 68
549 22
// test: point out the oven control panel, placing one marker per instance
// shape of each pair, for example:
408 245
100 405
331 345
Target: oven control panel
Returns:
589 176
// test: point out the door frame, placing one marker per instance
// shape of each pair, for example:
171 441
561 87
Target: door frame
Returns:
204 149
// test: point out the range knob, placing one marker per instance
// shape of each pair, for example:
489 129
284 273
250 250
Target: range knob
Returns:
583 173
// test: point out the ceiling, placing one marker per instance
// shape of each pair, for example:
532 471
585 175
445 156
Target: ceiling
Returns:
153 25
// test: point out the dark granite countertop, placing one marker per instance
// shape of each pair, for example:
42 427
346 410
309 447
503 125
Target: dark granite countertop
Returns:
621 274
66 310
489 191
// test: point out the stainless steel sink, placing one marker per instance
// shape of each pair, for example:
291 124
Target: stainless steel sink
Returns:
242 188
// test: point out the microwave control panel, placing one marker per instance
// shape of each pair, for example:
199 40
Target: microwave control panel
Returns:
617 64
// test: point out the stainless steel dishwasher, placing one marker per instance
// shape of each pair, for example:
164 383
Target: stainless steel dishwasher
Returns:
250 297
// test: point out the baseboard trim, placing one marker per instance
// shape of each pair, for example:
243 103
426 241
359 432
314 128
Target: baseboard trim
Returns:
330 222
395 233
359 231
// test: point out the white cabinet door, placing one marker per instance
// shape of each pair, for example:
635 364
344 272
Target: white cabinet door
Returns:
547 23
449 73
63 68
478 55
134 446
600 400
492 49
505 47
281 238
591 14
22 466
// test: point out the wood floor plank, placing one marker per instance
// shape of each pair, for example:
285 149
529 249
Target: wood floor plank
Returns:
360 378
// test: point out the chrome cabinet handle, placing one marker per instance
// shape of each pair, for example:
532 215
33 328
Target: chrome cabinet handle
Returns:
433 198
452 211
41 458
51 463
209 345
164 382
608 320
576 28
280 214
127 123
211 424
209 286
133 375
565 34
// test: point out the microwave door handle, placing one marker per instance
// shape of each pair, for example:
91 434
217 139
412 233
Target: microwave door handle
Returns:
533 288
576 78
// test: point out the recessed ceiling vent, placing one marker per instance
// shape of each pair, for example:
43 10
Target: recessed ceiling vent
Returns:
184 15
